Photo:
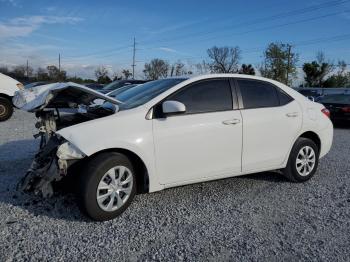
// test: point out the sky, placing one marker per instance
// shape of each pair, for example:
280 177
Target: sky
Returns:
88 34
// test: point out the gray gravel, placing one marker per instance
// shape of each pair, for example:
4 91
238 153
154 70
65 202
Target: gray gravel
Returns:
260 217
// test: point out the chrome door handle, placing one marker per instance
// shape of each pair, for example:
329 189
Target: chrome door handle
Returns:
294 114
231 122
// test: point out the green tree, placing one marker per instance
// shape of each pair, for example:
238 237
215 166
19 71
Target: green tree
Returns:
127 74
224 59
247 69
55 74
316 71
156 69
279 63
42 74
101 74
340 79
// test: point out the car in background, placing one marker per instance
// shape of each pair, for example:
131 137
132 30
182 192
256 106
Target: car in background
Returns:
338 106
34 84
118 84
8 87
311 93
95 86
118 91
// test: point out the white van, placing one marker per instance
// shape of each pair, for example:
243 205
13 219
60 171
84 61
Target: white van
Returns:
8 87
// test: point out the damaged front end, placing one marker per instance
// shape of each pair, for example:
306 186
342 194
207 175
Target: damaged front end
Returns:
50 164
58 106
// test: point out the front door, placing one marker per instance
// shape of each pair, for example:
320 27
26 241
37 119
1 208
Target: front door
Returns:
205 141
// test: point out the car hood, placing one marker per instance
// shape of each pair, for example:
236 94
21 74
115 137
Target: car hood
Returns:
57 95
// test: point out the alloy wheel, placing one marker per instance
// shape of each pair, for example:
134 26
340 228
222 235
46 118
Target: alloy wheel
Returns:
114 188
306 160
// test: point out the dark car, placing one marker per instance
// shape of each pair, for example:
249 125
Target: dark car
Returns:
118 84
339 107
34 84
95 86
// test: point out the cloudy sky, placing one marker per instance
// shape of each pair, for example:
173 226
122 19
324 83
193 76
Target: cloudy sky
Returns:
91 33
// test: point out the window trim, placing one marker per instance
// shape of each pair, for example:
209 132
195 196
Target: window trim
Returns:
276 88
234 99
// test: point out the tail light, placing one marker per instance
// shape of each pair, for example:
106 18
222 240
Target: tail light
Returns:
326 112
346 109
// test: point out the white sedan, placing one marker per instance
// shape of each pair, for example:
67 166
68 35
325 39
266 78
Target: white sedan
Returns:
173 132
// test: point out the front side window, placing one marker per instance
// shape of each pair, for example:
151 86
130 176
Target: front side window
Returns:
205 96
257 94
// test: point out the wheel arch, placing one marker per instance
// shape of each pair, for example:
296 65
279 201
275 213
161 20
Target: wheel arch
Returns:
314 137
142 176
6 96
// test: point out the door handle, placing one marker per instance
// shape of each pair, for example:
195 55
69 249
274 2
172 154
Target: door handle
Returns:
231 122
294 114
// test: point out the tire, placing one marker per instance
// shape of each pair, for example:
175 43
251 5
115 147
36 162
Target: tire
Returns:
99 174
6 109
307 166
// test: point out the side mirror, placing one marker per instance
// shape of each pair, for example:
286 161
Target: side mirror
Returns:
173 107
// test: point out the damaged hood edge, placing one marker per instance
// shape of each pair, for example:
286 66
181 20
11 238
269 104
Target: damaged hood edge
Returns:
38 98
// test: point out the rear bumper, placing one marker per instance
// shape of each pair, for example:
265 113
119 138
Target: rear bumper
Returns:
326 137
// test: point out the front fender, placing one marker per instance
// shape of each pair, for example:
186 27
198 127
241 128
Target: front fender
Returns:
132 133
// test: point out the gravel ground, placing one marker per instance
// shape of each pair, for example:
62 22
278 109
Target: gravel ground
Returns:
260 217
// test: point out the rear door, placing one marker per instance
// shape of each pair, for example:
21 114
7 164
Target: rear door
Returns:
205 141
271 121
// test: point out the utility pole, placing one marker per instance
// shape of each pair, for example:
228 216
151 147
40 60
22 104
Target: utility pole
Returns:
288 63
27 72
59 63
133 60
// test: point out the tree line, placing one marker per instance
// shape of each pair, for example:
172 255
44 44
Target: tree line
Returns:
279 62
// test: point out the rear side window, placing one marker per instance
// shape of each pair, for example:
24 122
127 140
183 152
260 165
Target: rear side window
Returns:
257 94
284 97
205 96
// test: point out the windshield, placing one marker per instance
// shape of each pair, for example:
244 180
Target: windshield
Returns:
141 94
114 85
335 99
120 90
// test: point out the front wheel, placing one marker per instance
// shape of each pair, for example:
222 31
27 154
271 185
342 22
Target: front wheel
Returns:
6 109
303 160
107 186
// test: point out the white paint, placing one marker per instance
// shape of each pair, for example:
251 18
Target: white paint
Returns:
185 149
8 85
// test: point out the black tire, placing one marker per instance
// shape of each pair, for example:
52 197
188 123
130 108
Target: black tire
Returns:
6 109
90 178
291 171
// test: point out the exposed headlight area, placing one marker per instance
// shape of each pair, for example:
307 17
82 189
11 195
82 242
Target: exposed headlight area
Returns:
20 86
66 154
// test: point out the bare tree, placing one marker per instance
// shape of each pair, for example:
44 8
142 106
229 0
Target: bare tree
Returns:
178 69
202 68
156 69
224 59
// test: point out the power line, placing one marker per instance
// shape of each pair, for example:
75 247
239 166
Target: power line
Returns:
295 12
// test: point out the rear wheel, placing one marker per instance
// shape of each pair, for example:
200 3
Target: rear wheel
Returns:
303 160
6 109
107 187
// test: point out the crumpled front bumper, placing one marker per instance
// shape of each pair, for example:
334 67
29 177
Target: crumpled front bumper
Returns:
50 164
